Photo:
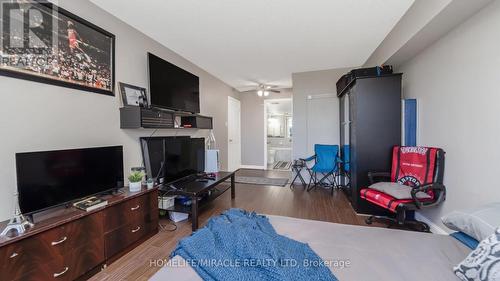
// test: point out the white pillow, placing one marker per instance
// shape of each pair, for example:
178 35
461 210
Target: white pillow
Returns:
482 264
478 223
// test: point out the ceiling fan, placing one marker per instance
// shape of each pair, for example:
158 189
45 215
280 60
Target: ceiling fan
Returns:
264 90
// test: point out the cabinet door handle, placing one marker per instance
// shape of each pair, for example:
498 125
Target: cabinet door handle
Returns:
135 208
13 255
62 272
137 229
60 241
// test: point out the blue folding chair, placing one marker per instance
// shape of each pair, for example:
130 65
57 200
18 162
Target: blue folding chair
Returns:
325 164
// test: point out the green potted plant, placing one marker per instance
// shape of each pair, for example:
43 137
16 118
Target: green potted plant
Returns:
135 181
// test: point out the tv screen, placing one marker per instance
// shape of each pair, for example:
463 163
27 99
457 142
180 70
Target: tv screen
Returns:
197 154
178 160
52 178
153 151
154 156
173 158
172 87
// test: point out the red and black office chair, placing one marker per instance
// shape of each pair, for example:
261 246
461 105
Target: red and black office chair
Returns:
416 183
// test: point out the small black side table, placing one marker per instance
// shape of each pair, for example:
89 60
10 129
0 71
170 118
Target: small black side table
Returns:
201 193
297 167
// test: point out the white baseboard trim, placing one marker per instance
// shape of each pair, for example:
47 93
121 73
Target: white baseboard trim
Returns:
254 167
434 227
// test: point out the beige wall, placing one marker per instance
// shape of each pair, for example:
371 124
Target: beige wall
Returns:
252 126
419 14
422 25
456 84
43 117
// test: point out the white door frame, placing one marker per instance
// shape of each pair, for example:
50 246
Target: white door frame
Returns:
229 162
266 103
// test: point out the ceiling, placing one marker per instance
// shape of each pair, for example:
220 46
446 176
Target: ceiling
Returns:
247 42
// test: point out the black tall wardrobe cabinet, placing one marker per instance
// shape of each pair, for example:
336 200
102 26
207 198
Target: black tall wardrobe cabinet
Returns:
370 125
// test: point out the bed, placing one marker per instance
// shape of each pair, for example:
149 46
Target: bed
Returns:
362 253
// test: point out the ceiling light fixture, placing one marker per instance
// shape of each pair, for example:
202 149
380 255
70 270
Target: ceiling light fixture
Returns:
265 90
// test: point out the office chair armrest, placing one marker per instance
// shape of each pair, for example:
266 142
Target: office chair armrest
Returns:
426 188
373 175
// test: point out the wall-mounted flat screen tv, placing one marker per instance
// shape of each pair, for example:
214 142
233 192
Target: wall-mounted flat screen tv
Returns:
172 87
51 178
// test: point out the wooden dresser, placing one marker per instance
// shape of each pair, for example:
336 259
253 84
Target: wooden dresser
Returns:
69 244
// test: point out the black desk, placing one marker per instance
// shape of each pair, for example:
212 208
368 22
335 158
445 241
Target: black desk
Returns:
200 193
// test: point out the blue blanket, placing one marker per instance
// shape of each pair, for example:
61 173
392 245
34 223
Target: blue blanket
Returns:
240 245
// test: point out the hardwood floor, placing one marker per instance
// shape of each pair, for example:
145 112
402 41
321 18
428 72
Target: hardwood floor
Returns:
284 201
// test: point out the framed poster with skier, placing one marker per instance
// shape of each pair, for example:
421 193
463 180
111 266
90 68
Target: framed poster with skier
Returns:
45 43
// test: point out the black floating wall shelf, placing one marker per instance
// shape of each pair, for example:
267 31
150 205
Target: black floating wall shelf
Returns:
134 117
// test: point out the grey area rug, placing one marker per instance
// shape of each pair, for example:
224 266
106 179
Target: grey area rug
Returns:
262 181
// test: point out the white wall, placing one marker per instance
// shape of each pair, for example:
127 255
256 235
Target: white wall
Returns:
252 126
44 117
456 81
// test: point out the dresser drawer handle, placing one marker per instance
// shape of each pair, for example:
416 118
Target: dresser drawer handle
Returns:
135 208
60 241
137 229
13 255
61 273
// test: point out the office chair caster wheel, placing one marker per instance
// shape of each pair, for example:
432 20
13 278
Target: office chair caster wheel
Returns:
425 228
369 220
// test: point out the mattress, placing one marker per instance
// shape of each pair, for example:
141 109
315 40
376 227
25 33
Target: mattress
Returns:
360 253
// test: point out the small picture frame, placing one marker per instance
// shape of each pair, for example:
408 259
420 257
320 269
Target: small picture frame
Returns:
133 95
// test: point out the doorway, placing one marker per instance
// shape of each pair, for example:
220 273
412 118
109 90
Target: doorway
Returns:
234 133
278 137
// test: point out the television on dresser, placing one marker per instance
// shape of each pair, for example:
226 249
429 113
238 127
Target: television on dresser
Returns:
52 178
172 87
